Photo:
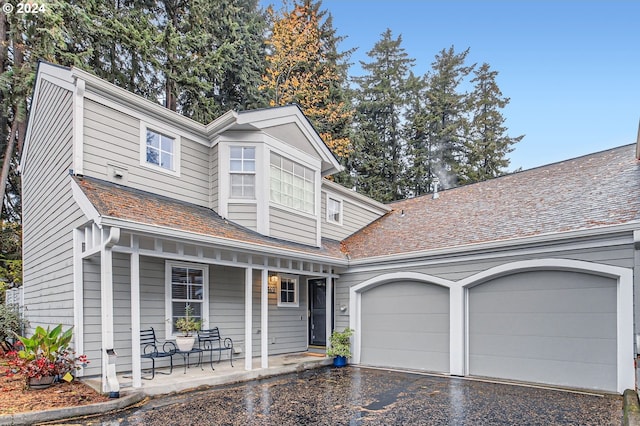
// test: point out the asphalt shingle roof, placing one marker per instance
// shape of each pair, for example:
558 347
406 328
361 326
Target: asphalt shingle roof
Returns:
586 192
122 202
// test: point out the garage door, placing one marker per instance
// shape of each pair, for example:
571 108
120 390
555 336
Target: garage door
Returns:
406 325
546 327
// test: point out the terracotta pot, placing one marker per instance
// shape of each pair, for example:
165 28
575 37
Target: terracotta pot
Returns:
40 383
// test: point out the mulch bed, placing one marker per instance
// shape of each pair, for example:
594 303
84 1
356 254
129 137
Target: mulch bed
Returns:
15 397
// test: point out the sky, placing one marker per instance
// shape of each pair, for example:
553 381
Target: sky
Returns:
570 68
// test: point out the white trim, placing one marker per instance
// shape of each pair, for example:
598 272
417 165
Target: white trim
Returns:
264 318
248 319
296 289
498 249
136 361
78 293
329 309
83 202
78 127
355 198
168 308
177 148
458 323
330 196
56 75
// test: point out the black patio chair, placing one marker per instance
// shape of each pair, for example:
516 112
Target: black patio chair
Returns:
149 350
211 341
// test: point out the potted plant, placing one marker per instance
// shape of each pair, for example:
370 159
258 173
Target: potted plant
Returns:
45 357
187 325
340 346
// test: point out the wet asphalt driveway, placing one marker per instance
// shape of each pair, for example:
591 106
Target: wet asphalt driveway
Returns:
360 396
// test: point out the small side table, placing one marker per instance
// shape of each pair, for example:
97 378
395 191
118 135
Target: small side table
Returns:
187 354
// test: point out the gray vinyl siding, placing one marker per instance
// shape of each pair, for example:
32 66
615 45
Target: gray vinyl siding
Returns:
292 227
458 268
113 138
244 214
213 177
292 135
354 218
92 316
49 212
287 326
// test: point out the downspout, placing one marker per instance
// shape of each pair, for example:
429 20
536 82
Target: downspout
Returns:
110 382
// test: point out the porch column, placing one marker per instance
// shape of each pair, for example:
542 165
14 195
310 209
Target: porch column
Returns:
136 361
456 331
329 310
264 319
248 317
109 380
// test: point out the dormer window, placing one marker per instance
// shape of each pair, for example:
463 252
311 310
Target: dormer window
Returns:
292 185
242 167
159 150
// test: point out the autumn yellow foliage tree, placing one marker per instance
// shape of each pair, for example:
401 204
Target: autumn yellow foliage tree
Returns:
305 68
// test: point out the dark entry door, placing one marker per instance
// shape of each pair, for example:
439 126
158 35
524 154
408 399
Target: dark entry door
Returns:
318 312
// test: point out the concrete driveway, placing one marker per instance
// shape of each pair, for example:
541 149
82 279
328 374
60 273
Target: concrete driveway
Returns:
362 396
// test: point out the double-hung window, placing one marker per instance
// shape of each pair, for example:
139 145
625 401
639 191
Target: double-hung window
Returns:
186 285
292 185
242 167
334 210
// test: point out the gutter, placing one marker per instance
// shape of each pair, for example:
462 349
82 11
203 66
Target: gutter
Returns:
256 248
553 237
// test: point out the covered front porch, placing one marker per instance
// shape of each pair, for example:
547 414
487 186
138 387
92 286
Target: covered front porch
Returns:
129 279
197 376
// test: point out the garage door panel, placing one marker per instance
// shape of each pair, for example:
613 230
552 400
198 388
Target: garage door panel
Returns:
405 325
567 374
574 324
561 300
542 347
407 322
404 358
554 327
385 299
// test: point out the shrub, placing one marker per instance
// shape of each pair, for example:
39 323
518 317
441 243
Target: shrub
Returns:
11 322
46 353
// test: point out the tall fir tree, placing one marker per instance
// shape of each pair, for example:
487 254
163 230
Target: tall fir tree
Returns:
486 143
446 114
212 57
420 147
381 97
305 67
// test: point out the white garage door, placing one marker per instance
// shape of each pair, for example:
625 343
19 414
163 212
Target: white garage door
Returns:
406 325
546 327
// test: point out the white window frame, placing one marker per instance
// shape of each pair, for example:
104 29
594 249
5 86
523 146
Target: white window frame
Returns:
296 290
243 172
340 202
290 192
144 128
169 265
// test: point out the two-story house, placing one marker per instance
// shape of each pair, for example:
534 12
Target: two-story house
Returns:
133 212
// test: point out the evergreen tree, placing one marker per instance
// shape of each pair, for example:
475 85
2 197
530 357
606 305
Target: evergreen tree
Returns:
446 114
306 68
213 56
381 98
420 148
486 144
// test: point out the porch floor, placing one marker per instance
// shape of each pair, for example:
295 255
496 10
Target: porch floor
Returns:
196 377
